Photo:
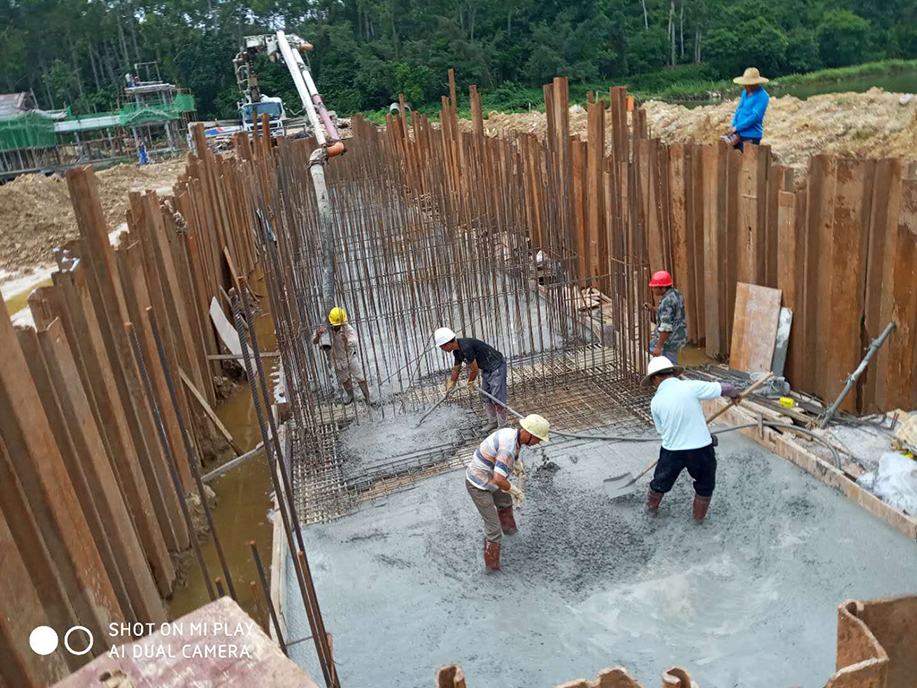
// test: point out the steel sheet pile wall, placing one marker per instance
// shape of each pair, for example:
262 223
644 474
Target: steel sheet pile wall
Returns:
841 246
90 516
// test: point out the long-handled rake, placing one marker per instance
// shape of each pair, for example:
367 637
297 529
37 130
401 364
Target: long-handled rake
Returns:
625 484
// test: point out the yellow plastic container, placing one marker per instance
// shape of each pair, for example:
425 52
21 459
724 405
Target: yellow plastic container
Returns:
787 402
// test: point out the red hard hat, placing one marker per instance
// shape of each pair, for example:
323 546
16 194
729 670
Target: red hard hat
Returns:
661 279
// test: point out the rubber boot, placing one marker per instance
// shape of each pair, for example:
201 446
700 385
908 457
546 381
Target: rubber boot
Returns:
701 504
350 396
490 427
653 500
507 522
364 387
492 555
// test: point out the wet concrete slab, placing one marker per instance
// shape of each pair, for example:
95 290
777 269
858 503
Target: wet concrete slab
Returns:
749 598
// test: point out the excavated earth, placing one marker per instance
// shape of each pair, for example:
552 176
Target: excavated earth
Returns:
37 214
872 124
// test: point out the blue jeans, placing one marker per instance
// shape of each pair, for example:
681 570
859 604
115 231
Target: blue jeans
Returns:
494 383
741 144
670 352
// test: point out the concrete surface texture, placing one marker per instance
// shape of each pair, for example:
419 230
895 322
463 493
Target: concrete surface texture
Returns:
749 598
369 445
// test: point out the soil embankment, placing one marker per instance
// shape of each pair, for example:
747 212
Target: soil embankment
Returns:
872 124
37 214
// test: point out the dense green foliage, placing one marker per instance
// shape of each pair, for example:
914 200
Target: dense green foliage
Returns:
75 52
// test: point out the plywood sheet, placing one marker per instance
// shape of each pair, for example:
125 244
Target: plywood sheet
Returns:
754 330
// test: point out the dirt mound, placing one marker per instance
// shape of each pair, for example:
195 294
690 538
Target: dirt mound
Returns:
872 124
37 214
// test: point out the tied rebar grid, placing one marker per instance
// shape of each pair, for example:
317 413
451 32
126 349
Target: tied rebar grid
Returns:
405 265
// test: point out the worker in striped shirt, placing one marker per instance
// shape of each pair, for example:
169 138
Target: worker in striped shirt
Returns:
487 480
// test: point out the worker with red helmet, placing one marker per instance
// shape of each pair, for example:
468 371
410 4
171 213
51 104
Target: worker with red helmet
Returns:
671 331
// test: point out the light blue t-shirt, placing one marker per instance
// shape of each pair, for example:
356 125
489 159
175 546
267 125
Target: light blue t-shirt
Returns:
678 414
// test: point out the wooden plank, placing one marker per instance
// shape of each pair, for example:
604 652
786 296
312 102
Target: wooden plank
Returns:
680 263
754 334
778 178
452 98
110 309
41 470
28 544
902 304
822 180
83 333
598 237
788 260
47 389
697 204
100 477
21 611
248 659
714 222
881 258
580 230
209 411
847 271
730 258
137 298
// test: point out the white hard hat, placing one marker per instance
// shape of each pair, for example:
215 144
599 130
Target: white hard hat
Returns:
536 425
660 364
443 336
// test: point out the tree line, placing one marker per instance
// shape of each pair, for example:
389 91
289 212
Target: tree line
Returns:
75 53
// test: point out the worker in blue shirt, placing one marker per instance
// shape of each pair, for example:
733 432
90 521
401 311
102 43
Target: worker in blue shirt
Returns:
686 441
749 117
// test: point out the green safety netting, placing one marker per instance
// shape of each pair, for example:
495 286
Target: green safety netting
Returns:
141 113
31 130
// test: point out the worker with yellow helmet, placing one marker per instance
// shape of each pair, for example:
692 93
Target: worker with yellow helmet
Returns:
344 353
487 480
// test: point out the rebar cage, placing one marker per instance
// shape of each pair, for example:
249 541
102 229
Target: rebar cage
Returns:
405 264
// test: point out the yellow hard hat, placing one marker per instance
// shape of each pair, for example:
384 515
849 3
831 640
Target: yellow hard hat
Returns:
337 316
536 425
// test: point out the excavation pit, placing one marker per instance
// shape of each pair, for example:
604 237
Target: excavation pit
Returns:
748 598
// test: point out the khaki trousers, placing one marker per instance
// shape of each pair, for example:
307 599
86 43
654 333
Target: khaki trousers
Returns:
487 503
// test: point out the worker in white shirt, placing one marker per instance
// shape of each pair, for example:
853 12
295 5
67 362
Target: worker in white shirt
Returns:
487 480
686 441
344 355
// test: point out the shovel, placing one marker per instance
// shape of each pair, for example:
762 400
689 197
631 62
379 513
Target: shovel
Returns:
625 484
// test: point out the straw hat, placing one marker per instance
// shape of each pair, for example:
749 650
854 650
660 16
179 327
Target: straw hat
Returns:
751 77
658 365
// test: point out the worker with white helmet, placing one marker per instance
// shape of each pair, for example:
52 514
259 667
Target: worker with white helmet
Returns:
344 353
671 332
686 441
487 480
480 358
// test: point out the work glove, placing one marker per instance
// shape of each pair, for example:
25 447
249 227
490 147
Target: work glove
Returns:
450 385
729 390
517 495
519 469
472 383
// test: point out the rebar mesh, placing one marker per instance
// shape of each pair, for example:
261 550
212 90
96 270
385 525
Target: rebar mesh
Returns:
405 265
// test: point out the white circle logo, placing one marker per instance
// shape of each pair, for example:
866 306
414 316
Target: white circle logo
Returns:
43 640
67 640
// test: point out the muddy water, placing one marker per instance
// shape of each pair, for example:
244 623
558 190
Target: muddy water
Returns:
244 501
